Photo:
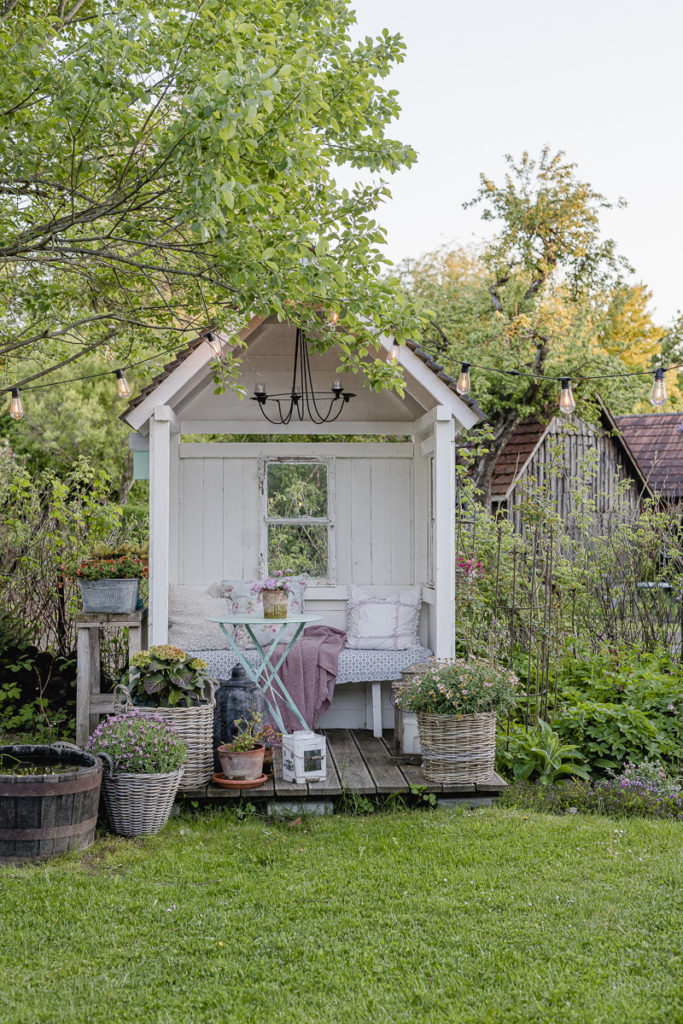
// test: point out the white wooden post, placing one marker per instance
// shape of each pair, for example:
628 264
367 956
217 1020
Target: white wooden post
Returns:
160 426
444 534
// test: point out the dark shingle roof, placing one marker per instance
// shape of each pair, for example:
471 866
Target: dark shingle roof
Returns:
515 454
656 441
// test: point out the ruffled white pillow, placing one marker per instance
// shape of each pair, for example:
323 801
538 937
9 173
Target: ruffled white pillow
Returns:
188 611
375 623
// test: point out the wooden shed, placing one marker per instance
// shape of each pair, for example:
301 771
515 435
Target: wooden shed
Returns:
656 442
534 446
389 513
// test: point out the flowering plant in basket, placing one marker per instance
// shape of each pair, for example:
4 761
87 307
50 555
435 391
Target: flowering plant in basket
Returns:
123 563
459 688
139 744
165 676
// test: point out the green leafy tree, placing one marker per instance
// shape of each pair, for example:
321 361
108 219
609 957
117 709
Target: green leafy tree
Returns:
546 296
164 167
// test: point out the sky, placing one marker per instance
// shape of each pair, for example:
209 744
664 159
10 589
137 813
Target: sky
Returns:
601 80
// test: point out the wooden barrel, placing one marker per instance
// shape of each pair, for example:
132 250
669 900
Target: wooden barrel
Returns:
43 815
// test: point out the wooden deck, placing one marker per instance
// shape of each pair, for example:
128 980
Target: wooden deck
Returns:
358 763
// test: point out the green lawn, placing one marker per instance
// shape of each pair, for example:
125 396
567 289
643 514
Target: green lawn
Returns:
415 916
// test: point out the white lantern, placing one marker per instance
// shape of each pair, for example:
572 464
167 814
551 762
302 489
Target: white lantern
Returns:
410 740
304 756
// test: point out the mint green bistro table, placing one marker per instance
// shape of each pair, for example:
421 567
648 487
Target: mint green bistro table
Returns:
273 687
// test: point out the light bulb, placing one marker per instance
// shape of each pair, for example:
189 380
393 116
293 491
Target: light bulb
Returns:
16 407
394 353
567 403
658 392
464 384
260 394
122 385
336 385
214 344
334 317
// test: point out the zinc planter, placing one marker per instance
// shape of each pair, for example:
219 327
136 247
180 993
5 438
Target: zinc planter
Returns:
457 749
46 814
275 604
109 595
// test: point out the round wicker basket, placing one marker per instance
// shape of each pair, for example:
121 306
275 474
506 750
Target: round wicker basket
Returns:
457 750
139 805
194 726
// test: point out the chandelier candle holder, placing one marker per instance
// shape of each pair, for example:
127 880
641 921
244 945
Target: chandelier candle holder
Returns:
302 401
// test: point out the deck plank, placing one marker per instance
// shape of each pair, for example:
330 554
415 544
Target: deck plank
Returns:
353 773
386 776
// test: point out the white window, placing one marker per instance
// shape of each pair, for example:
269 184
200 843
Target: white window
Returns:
298 517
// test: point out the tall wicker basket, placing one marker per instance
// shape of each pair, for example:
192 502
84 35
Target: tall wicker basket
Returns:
457 749
194 726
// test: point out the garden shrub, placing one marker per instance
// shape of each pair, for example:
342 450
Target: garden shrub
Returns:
606 796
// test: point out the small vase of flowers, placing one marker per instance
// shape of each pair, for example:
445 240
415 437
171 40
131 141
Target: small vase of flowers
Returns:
274 593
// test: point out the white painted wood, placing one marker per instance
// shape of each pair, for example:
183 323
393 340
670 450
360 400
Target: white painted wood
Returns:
402 522
442 622
335 449
380 522
392 428
159 517
376 693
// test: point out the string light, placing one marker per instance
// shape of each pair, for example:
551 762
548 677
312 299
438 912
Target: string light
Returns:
334 317
394 353
658 392
16 408
122 385
567 403
214 344
464 384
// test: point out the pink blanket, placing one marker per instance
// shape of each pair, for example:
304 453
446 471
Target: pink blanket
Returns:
309 673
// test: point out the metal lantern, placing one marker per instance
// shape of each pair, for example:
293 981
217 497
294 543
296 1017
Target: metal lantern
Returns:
236 697
304 756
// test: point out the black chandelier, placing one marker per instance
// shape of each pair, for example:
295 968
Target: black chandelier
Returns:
302 401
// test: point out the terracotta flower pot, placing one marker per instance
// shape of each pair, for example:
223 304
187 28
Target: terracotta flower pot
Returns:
242 764
275 604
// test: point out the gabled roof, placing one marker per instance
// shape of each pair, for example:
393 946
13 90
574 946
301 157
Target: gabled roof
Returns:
196 358
656 441
528 436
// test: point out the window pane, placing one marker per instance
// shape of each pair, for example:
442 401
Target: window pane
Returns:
297 489
298 549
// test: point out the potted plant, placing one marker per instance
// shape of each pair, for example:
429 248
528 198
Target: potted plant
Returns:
242 757
109 579
274 593
456 703
174 687
144 761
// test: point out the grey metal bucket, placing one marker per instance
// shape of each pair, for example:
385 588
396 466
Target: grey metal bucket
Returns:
109 595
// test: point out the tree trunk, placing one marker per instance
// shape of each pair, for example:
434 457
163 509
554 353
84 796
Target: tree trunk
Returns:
483 470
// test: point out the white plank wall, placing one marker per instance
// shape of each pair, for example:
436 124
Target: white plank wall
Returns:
215 518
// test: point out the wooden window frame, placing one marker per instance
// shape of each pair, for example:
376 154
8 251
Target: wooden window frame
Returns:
329 520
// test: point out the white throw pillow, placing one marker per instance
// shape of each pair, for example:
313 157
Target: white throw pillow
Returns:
188 611
376 623
242 601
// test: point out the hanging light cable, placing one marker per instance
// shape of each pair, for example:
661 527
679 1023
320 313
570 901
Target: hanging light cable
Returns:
567 403
122 385
658 394
16 406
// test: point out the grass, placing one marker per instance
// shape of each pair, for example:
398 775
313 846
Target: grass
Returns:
444 917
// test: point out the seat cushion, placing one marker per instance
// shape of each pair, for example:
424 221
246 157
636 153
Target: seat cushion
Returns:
354 666
188 611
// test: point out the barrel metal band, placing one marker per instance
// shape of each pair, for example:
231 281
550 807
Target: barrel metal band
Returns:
80 784
56 832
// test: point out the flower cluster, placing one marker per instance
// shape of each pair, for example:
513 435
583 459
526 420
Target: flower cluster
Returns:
461 688
165 676
649 776
140 744
280 580
471 568
113 567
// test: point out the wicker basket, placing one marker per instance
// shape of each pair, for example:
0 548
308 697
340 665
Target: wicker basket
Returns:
194 726
457 750
139 805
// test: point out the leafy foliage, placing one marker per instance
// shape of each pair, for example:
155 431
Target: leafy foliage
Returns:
165 676
249 733
607 796
539 754
144 196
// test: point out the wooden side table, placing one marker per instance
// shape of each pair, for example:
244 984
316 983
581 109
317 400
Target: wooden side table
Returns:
90 702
